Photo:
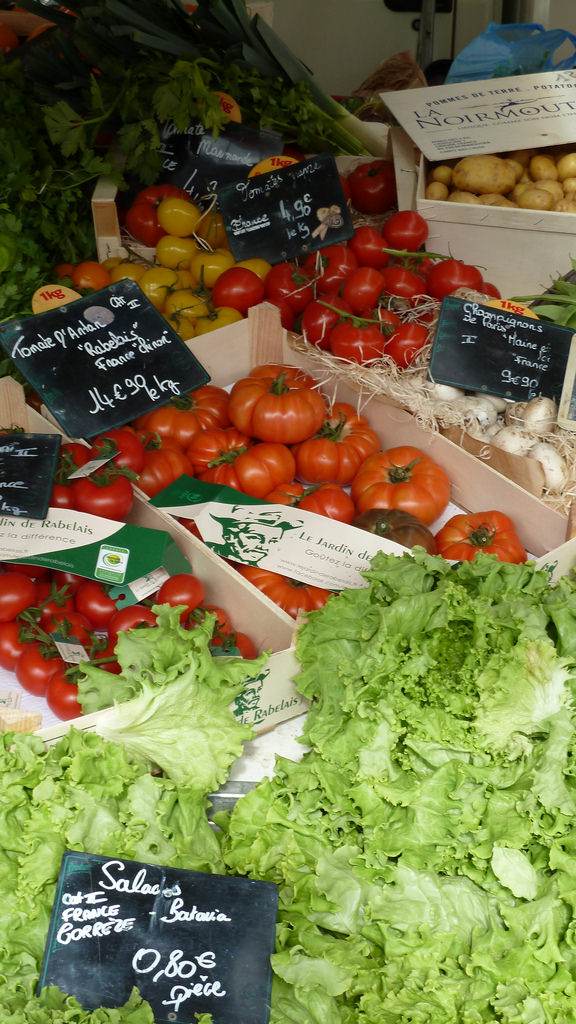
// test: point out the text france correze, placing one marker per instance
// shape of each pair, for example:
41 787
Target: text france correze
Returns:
102 360
189 942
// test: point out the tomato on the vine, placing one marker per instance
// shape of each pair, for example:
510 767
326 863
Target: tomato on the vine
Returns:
291 284
405 229
362 288
368 246
405 343
11 647
321 316
182 589
17 592
104 495
62 694
133 616
358 342
94 602
330 266
403 282
34 669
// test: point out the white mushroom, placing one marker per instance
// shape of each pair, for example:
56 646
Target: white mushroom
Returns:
513 440
497 401
514 412
478 413
540 415
553 464
443 392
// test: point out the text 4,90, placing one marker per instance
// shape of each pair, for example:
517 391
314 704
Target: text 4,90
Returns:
128 388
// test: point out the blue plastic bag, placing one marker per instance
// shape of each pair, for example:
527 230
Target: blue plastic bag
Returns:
504 50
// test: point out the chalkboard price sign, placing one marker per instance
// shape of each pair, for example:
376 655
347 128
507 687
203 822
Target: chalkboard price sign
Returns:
102 360
287 212
190 942
485 348
27 468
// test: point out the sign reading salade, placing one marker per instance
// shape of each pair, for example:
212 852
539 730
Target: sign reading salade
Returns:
191 942
103 360
27 467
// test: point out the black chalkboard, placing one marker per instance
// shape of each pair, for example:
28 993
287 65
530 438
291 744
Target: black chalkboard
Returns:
102 360
484 348
200 162
287 212
190 942
28 465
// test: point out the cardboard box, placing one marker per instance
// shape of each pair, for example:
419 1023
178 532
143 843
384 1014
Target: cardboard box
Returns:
520 251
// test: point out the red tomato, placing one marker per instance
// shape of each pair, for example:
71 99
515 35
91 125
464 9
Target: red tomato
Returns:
35 572
130 450
58 604
290 283
262 467
17 592
101 495
10 645
163 466
66 579
464 535
373 186
106 657
491 289
403 282
330 500
134 616
185 415
287 315
94 602
61 496
71 626
234 644
368 246
223 624
280 407
183 588
330 266
290 595
335 454
215 445
141 219
405 343
75 453
62 695
359 343
34 671
448 275
405 229
238 288
362 288
320 316
402 477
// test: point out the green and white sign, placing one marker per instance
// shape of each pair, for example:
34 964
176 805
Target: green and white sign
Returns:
303 545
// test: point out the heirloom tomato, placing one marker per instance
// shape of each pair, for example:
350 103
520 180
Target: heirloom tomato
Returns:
281 407
335 453
89 275
290 595
330 500
402 477
185 415
215 446
162 467
464 535
128 447
397 525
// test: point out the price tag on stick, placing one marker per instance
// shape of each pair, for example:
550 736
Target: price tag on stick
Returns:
102 360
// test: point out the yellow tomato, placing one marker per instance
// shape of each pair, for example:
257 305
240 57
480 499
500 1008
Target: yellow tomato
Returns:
126 269
257 265
211 228
221 317
207 265
111 262
178 216
184 327
185 279
157 283
175 252
185 302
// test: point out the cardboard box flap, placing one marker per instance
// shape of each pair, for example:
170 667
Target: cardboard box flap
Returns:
488 116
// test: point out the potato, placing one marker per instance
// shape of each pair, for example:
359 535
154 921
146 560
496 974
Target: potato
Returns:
464 197
495 199
516 167
566 205
553 187
534 198
436 190
566 166
519 188
442 172
569 186
522 156
542 166
483 174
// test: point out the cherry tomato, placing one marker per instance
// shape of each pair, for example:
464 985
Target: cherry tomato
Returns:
405 343
448 275
405 229
331 266
34 671
362 288
183 588
103 496
321 316
89 275
17 592
62 695
10 645
134 616
290 283
368 246
94 602
238 288
373 186
359 343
